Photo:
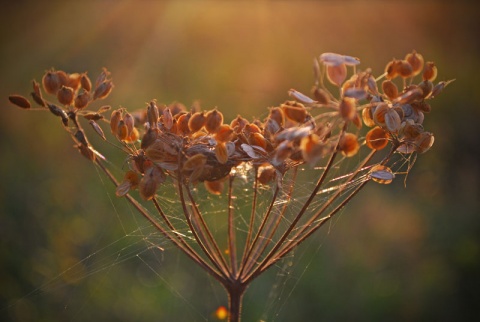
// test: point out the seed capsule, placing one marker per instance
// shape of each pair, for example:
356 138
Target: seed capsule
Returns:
50 82
337 74
74 81
221 152
57 111
238 124
348 144
66 95
182 123
19 101
129 122
147 188
424 142
392 120
381 174
391 69
224 133
130 182
390 89
103 90
379 114
196 161
97 129
377 138
122 131
367 116
416 61
321 95
347 108
266 175
167 118
82 100
313 149
115 120
258 140
295 113
302 98
85 82
213 121
152 114
196 122
404 69
214 187
426 86
430 71
37 95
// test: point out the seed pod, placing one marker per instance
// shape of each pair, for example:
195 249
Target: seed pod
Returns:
379 114
196 122
424 142
372 85
147 188
86 151
430 71
102 77
37 95
392 120
82 100
367 116
196 161
313 149
213 121
404 69
295 113
85 82
409 96
302 98
258 140
437 89
62 78
321 95
81 138
390 89
133 137
115 120
337 74
130 182
426 86
129 122
348 144
57 111
381 174
251 128
391 69
422 106
73 80
266 175
224 133
65 95
97 129
347 109
214 187
103 90
377 138
122 131
50 82
19 101
270 128
238 124
167 118
357 121
416 61
411 130
332 59
152 114
221 152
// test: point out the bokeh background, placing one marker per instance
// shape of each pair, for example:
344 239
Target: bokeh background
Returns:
395 253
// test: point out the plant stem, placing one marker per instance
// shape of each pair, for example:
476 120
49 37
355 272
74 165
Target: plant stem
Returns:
235 290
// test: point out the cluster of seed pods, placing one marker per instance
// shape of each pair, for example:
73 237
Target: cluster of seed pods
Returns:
198 146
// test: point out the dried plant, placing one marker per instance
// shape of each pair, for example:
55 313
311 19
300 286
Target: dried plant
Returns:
172 148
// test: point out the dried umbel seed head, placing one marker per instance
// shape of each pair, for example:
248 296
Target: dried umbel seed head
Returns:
197 121
66 95
348 144
390 89
416 61
377 138
347 108
19 101
213 121
430 71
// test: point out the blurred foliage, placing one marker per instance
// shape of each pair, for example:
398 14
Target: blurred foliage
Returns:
393 254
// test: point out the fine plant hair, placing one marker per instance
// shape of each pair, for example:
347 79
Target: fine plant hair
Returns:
353 128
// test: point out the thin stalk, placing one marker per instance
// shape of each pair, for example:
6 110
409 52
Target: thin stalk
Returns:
232 250
252 218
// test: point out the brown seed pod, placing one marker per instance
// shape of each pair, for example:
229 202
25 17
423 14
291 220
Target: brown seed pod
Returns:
348 144
97 129
62 78
82 100
51 83
390 89
57 111
257 139
337 74
115 120
424 142
37 95
404 69
411 95
416 61
422 106
103 90
167 118
194 162
19 101
66 95
86 151
130 182
85 82
300 97
129 121
196 121
295 113
426 86
313 149
73 80
221 152
379 114
391 69
224 133
430 71
437 89
392 120
104 75
238 124
347 109
377 138
321 95
214 187
147 187
213 121
266 175
367 116
411 130
133 137
152 114
122 131
381 174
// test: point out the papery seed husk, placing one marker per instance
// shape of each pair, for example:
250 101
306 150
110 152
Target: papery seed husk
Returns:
85 82
50 82
337 74
390 89
182 123
102 77
196 122
115 120
416 61
294 113
167 118
153 114
80 136
224 133
82 100
391 70
37 94
347 108
86 151
266 175
367 116
409 96
238 124
424 142
19 101
221 152
57 111
147 188
62 78
195 161
377 138
74 81
129 122
430 71
103 90
97 129
404 69
437 89
214 187
392 120
348 144
302 98
122 131
213 121
379 114
321 95
381 174
66 95
426 86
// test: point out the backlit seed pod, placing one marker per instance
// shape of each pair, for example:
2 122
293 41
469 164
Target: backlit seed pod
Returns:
258 140
404 69
133 137
196 122
357 121
85 82
424 142
221 152
167 118
410 96
356 93
50 82
152 114
295 113
124 187
238 124
416 61
379 114
82 100
332 59
214 187
426 86
122 131
313 149
147 188
348 144
102 77
149 138
103 90
57 111
391 69
19 101
251 128
213 121
283 151
367 116
97 129
74 81
372 85
390 89
381 174
437 89
270 128
62 78
276 114
430 71
347 108
65 95
194 162
392 120
411 130
224 133
337 74
422 106
129 122
266 175
377 138
37 95
115 120
182 123
321 95
300 97
177 108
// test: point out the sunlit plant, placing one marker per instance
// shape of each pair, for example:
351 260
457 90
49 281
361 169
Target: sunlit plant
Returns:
252 167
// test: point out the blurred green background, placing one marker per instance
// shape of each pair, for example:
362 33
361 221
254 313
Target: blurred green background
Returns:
395 253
